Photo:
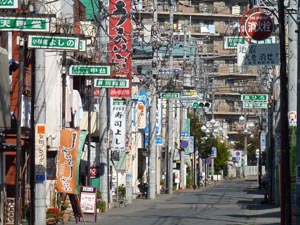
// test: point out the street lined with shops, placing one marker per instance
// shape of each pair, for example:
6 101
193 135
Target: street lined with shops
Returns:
234 201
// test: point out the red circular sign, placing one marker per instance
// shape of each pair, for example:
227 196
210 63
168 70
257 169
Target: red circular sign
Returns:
259 26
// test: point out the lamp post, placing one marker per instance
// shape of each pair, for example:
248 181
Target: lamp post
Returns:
248 127
214 128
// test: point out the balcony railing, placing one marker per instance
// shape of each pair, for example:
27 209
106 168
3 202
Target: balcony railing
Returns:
189 8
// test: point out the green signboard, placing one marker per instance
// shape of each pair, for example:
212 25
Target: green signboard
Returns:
89 70
112 83
170 95
53 42
32 24
232 42
9 4
255 105
254 98
82 45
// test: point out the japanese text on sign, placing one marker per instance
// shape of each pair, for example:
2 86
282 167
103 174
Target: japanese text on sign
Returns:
259 26
118 125
24 24
258 54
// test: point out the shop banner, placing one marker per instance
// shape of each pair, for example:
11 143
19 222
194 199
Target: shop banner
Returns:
120 43
70 151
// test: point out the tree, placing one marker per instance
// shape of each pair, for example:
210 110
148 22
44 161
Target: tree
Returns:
223 154
203 147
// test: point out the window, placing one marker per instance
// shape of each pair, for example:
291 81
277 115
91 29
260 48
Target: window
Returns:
51 165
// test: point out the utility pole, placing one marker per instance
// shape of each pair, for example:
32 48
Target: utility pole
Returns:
213 118
152 112
170 105
285 188
40 118
183 112
297 210
19 133
293 104
104 133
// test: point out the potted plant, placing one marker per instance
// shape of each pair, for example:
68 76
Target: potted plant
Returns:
101 205
121 192
53 215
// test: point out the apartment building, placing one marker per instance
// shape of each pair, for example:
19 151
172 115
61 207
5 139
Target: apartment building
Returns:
210 28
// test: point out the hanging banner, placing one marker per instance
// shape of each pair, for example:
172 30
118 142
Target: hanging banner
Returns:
120 44
140 112
118 124
70 151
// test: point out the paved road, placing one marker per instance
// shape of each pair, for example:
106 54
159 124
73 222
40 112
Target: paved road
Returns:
230 202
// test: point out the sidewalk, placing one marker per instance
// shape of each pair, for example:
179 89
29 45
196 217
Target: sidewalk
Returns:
264 213
136 205
260 213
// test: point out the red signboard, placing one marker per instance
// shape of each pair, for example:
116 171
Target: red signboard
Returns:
120 43
259 26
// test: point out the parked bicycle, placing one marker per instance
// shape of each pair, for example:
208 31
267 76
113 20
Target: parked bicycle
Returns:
143 187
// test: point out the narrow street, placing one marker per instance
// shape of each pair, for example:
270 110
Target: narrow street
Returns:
230 202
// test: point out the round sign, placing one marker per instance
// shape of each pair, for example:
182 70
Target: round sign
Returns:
184 144
259 26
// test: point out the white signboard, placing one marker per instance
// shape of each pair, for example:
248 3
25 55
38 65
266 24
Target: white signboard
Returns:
213 152
263 141
118 124
258 54
158 117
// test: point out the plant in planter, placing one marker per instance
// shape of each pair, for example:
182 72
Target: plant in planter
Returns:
101 205
121 191
53 215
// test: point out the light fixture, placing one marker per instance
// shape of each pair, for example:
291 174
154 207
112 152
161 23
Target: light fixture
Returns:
242 119
251 125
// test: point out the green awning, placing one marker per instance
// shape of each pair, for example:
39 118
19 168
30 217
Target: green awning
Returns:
91 8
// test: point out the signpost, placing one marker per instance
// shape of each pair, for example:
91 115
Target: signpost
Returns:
90 70
255 97
255 101
53 42
170 95
112 83
231 42
255 105
32 24
9 4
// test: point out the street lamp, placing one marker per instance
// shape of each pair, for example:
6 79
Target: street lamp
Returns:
248 127
215 128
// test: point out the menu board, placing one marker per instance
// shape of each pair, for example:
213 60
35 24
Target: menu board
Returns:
88 198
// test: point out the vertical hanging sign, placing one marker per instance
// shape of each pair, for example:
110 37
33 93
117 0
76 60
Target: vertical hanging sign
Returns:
118 125
67 161
120 46
40 153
